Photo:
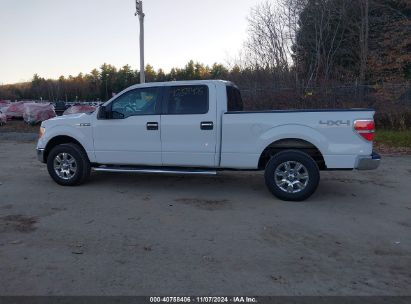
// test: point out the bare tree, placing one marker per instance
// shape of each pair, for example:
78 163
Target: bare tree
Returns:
364 36
325 22
268 45
272 32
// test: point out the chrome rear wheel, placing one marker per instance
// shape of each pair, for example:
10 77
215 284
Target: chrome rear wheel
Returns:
291 177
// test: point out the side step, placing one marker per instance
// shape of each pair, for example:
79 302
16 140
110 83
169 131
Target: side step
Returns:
160 170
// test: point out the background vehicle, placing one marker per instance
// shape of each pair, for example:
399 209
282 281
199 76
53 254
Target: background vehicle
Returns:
198 127
79 109
34 113
60 107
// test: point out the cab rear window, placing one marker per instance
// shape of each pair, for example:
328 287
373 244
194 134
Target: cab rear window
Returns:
234 100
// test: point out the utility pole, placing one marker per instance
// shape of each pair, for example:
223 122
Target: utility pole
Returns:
140 13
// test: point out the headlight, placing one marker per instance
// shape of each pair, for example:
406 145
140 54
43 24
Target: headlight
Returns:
42 131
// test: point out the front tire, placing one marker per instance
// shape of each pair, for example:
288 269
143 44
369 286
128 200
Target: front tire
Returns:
68 165
292 175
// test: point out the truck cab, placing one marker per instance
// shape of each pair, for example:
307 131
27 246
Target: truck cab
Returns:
178 125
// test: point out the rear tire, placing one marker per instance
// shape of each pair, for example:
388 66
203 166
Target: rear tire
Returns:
68 165
292 175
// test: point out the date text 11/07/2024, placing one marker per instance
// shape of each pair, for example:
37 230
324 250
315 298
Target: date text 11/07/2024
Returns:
203 300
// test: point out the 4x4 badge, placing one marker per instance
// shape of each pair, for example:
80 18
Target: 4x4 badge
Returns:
337 123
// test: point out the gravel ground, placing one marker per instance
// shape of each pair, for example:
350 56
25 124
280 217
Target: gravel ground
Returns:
175 235
19 126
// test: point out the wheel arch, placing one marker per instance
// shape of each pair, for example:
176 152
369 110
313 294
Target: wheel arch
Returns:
291 144
59 140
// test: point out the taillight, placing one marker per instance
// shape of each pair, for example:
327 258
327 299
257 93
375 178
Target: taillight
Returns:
366 128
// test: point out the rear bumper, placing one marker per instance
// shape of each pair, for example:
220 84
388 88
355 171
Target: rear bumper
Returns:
40 155
371 162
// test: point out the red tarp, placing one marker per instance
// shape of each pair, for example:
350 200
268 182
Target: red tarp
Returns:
79 109
15 110
37 112
4 105
3 108
3 119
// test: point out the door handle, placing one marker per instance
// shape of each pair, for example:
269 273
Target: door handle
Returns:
152 126
207 125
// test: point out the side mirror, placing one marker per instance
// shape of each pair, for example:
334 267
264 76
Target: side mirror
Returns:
103 113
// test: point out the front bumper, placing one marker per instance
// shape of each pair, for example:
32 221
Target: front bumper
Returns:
40 155
371 162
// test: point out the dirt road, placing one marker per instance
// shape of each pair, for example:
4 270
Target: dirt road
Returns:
151 235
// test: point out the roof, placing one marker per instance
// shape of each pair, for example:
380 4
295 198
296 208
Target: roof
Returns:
170 83
182 82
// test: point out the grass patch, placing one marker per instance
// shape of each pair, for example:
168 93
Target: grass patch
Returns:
395 139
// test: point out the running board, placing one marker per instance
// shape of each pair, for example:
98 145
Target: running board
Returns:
154 170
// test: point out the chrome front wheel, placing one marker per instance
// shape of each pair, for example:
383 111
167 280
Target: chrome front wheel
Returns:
68 164
65 166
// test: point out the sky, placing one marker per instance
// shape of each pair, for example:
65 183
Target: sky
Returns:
66 37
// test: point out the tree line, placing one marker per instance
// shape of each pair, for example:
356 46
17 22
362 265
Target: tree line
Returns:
102 83
294 44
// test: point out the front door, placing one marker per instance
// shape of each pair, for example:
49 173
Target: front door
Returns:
188 126
131 133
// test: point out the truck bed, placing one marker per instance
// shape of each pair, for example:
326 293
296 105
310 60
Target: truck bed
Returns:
246 134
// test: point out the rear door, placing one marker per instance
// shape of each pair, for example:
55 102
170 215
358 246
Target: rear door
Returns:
188 126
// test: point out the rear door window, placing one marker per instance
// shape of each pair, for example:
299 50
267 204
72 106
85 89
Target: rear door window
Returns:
191 99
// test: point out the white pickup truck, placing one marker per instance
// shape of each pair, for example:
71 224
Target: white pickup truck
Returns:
199 127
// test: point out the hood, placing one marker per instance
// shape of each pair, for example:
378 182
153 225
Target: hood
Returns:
71 119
